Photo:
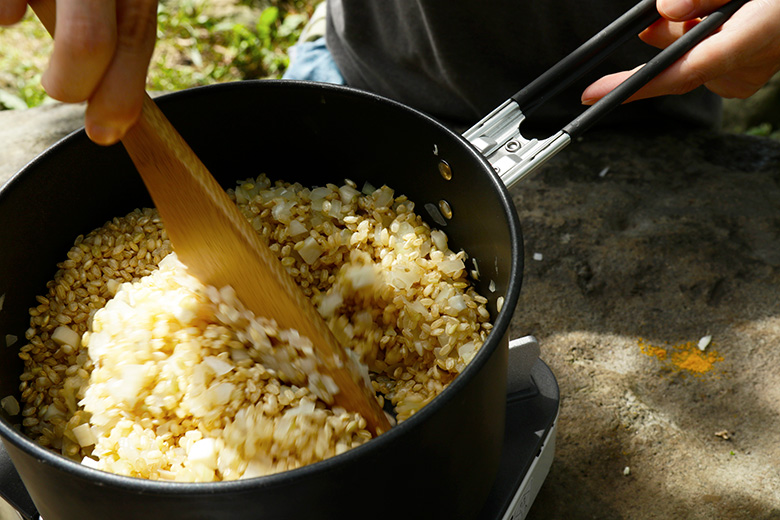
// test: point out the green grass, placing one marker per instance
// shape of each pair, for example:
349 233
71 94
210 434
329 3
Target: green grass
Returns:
764 130
195 47
199 42
22 51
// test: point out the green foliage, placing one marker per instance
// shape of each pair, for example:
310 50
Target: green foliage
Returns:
197 44
22 57
196 47
764 130
27 92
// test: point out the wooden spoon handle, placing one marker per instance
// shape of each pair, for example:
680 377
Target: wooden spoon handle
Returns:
219 246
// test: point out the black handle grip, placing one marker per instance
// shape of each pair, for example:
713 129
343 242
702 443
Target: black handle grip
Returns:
586 56
653 68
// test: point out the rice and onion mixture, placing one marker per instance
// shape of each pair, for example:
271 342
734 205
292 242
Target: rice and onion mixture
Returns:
134 367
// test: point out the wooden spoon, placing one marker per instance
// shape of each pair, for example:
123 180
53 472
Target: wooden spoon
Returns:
219 246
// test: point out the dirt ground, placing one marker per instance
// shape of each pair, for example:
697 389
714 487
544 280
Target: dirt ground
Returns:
648 244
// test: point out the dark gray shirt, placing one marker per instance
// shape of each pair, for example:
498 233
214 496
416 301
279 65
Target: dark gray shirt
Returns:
457 59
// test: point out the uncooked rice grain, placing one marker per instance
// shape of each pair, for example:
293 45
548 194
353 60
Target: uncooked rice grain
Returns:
135 367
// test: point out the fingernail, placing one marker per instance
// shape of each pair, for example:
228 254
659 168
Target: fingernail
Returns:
678 9
105 135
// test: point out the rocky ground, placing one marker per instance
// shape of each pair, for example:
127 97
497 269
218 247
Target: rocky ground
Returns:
650 243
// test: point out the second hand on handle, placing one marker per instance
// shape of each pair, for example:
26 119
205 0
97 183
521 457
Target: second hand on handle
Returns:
219 246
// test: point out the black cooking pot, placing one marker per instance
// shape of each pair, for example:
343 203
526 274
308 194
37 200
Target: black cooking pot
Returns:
438 464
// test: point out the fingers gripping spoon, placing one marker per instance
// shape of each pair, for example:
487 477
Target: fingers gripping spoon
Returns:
219 246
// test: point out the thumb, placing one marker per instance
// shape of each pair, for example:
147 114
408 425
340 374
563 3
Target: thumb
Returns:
680 10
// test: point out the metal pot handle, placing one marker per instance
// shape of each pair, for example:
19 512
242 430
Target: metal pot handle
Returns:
498 137
12 489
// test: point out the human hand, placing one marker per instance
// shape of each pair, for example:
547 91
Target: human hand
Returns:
736 61
102 50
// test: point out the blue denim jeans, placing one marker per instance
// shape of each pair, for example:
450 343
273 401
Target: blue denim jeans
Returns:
312 61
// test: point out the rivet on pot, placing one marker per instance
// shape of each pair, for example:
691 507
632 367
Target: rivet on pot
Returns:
445 209
445 170
512 146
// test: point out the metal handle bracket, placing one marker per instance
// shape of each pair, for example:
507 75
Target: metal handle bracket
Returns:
498 137
513 157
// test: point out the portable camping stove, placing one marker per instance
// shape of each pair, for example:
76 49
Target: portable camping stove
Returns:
532 405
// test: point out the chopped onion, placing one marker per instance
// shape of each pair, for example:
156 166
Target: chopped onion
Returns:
281 211
450 267
467 351
255 469
52 412
439 240
219 366
239 354
10 339
127 388
63 335
319 193
10 405
475 272
98 342
383 197
335 209
458 303
305 407
84 435
402 278
112 286
361 276
310 251
241 195
296 228
330 385
329 303
220 394
89 462
204 452
404 230
417 308
348 194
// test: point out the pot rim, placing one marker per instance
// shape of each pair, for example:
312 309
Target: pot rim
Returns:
495 339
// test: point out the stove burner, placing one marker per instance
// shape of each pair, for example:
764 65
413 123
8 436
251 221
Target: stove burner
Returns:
529 439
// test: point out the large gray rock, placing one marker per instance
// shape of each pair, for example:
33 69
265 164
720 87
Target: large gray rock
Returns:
26 133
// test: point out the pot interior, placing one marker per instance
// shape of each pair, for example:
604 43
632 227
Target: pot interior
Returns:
310 133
